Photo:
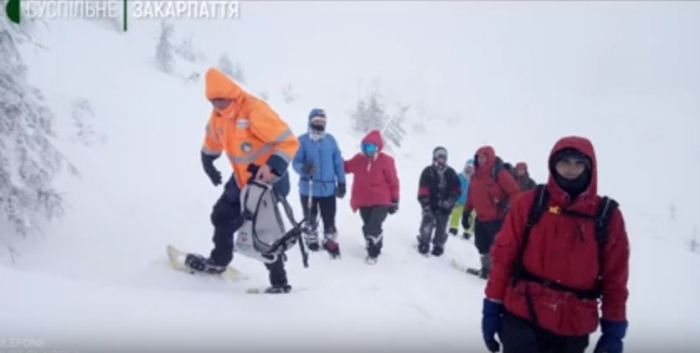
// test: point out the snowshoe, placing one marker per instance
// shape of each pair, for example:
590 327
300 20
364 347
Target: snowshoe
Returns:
271 290
198 264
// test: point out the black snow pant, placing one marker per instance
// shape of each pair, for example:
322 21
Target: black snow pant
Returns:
327 206
485 234
226 218
372 220
521 336
434 227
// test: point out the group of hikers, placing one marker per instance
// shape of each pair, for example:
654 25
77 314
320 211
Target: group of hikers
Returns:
549 252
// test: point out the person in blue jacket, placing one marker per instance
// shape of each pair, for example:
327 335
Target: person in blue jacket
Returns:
319 162
456 217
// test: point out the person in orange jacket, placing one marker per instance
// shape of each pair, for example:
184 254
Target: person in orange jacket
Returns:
249 132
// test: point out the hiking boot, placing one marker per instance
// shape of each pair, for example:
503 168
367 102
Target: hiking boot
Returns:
466 235
423 248
453 231
437 250
199 263
332 247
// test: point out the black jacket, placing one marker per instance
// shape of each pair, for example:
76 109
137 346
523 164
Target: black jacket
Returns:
431 193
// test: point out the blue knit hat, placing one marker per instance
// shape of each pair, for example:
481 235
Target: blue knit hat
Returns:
317 112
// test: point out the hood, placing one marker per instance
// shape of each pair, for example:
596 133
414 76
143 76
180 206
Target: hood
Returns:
584 146
374 137
523 166
490 156
218 85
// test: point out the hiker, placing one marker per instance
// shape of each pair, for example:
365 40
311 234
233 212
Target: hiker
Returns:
522 176
375 190
563 249
319 162
438 191
458 210
490 190
249 132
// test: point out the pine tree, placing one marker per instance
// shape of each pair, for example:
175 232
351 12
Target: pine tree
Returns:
29 161
164 50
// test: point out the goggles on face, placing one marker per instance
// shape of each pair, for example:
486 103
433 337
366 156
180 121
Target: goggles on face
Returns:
221 103
369 148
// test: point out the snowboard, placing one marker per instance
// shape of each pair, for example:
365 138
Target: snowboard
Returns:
177 262
261 290
464 268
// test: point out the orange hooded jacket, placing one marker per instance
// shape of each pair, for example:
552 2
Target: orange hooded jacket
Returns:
248 130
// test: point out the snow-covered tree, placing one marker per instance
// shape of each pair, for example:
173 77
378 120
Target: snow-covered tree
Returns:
164 50
394 132
369 114
29 161
225 65
82 115
287 94
234 72
186 50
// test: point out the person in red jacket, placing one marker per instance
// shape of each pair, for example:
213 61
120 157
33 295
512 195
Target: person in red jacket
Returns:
375 190
542 294
490 190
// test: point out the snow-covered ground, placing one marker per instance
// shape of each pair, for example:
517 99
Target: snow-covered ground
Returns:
517 76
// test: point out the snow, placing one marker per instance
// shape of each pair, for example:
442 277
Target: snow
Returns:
517 76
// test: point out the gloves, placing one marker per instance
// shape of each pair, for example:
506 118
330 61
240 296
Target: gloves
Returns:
465 220
208 164
340 191
611 340
394 206
492 315
446 205
308 168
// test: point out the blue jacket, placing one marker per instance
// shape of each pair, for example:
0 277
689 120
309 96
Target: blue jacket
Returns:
464 181
326 155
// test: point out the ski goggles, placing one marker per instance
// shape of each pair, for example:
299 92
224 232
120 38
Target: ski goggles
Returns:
369 148
221 103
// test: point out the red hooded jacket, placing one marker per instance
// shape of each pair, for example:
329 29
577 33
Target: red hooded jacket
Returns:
376 181
562 249
486 195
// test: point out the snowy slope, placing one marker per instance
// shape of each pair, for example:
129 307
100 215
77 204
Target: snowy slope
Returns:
100 274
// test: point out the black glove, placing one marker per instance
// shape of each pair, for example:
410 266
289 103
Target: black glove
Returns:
208 164
340 191
465 220
446 205
308 168
394 206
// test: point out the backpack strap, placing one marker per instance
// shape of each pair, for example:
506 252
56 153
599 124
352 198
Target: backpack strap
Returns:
602 223
539 204
296 227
